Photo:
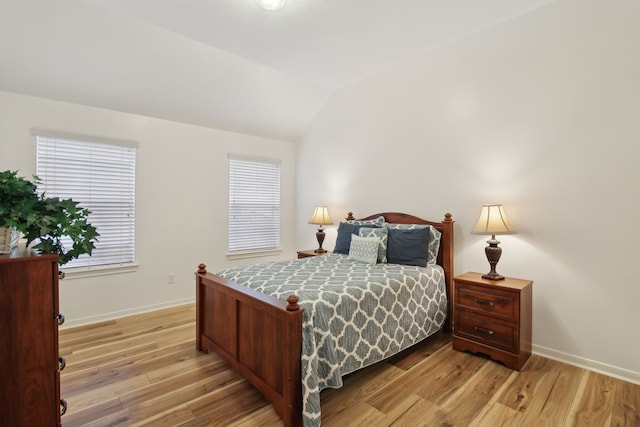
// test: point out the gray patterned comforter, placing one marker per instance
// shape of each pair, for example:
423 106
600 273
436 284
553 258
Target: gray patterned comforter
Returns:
355 314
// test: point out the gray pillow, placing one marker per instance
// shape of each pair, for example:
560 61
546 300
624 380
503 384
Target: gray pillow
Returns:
364 249
376 222
380 233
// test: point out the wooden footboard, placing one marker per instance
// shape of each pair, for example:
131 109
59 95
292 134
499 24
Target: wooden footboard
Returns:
257 335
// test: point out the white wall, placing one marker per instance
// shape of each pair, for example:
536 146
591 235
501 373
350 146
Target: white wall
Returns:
540 114
181 200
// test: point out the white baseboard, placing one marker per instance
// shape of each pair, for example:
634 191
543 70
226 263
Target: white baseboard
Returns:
591 365
70 323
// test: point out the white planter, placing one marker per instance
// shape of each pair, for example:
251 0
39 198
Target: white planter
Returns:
8 239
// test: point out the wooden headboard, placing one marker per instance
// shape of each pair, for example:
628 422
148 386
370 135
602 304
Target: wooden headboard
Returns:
445 252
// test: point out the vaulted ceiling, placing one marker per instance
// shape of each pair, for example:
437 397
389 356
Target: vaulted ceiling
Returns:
226 64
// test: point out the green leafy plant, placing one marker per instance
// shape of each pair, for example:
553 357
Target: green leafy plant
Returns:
46 219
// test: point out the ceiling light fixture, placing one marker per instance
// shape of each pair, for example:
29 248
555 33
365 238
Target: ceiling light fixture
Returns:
271 4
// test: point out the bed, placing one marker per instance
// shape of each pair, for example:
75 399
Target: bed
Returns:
266 322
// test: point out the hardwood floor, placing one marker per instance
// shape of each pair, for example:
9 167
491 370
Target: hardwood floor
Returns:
145 371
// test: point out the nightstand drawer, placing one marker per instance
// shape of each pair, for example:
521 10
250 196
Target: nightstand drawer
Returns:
486 330
492 302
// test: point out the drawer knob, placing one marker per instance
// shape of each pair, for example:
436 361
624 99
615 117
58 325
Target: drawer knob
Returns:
484 302
63 406
62 362
483 330
60 318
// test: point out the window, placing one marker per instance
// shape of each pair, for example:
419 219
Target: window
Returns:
101 177
254 205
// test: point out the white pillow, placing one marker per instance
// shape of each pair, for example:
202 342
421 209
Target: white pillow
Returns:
380 233
364 249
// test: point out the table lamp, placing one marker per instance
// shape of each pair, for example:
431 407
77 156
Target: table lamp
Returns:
493 221
320 217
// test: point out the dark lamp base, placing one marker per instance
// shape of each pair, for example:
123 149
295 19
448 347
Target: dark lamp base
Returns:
492 276
493 252
320 237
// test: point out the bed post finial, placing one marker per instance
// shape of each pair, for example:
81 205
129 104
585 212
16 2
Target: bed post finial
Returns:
293 303
448 217
202 269
350 216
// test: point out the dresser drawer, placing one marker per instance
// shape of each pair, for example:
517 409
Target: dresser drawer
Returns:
490 301
486 330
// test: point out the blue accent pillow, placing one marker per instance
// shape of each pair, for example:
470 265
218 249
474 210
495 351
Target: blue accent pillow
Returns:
434 239
343 241
408 246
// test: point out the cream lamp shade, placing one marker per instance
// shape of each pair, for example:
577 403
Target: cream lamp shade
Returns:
493 220
320 217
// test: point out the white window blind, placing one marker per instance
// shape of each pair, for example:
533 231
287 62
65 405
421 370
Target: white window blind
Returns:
101 177
254 205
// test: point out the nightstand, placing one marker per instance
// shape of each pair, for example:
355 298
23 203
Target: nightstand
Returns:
311 252
493 317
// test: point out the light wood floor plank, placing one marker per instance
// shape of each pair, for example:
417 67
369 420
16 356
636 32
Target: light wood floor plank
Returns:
549 408
99 412
360 385
413 411
593 404
195 383
77 364
145 371
359 414
104 389
228 403
497 414
468 401
173 416
626 409
264 416
146 358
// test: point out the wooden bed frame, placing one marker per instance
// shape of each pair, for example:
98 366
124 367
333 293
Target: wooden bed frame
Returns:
261 336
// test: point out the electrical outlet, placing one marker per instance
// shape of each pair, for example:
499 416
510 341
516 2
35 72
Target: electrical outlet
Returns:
172 278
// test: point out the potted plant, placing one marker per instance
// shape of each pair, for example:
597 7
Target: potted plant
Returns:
46 219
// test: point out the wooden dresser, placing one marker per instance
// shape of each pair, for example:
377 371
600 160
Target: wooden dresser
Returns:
493 317
29 361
